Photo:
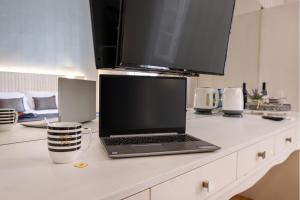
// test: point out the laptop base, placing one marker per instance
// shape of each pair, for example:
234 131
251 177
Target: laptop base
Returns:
155 149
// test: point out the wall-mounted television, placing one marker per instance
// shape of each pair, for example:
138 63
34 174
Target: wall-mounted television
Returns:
173 36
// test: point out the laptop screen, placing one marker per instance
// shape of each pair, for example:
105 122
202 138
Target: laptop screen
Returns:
139 105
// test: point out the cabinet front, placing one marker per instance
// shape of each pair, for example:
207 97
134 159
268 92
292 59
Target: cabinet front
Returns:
198 183
286 140
254 156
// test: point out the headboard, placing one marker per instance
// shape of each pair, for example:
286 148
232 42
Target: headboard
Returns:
21 82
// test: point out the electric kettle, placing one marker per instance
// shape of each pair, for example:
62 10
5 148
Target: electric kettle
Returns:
206 99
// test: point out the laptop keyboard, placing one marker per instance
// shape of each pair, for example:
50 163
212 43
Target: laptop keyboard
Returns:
148 139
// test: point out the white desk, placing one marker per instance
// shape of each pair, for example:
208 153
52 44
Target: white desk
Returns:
27 173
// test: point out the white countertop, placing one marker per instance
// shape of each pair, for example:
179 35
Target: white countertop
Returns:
27 172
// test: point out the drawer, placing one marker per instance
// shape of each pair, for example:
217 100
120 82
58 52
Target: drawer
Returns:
286 140
255 155
199 183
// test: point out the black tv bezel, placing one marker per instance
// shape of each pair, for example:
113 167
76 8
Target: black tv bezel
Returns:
107 132
135 66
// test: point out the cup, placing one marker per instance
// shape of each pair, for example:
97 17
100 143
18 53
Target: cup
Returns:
65 141
8 118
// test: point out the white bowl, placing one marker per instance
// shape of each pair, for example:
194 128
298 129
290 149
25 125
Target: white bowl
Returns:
64 157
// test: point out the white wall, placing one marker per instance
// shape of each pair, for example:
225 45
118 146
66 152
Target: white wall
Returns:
50 35
279 52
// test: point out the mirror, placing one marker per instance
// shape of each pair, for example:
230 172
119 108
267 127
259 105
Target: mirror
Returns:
242 64
243 53
249 41
263 48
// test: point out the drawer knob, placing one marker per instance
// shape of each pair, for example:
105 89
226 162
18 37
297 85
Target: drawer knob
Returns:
208 186
262 154
289 140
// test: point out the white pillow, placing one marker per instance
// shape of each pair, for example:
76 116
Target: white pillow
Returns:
11 95
31 94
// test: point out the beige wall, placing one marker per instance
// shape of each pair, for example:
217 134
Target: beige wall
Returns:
246 6
279 52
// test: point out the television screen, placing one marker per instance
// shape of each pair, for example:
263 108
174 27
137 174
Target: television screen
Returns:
172 35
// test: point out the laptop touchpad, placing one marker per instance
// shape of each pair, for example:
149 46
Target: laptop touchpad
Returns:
147 148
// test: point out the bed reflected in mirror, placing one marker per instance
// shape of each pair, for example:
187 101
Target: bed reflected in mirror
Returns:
35 100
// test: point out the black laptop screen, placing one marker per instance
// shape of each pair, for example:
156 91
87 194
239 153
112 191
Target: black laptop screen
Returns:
139 104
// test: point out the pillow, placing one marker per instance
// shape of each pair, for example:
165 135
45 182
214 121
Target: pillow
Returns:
12 95
44 103
15 103
30 94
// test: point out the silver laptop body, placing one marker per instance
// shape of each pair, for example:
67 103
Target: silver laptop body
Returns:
76 100
191 145
145 116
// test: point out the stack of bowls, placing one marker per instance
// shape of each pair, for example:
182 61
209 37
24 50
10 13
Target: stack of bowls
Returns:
8 119
64 141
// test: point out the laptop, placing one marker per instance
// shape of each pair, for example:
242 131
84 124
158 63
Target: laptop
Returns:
76 103
145 116
76 100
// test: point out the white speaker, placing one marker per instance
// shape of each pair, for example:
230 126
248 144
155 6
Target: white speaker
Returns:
233 101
